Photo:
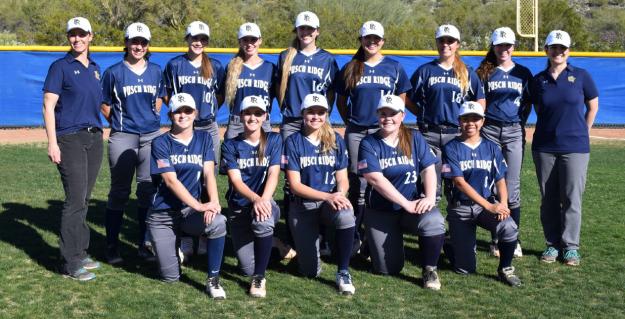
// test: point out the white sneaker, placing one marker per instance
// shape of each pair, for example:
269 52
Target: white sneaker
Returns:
518 252
186 246
201 246
214 289
181 256
493 250
344 283
258 287
430 278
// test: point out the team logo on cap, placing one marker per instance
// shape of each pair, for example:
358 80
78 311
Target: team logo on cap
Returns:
446 29
571 79
76 21
248 28
201 26
372 26
502 34
253 99
306 17
315 99
139 28
389 99
558 35
180 98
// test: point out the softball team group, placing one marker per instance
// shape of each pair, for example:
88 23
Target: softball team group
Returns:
364 190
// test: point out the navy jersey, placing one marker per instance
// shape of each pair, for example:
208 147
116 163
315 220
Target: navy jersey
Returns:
561 110
309 74
436 91
239 154
258 80
132 97
480 166
317 170
187 161
79 91
384 78
182 77
506 92
374 155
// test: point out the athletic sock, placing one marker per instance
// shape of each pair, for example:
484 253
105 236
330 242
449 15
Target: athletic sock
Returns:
262 252
113 224
515 213
142 213
344 242
431 249
215 252
506 252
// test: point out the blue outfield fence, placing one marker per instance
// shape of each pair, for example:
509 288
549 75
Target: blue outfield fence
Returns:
22 74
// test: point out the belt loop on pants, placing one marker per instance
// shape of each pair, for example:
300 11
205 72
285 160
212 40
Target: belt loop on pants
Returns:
92 129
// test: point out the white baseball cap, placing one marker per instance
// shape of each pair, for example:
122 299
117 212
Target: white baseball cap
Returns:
314 99
78 23
198 27
393 102
307 18
248 29
372 27
558 37
253 101
503 35
447 30
471 107
138 30
179 100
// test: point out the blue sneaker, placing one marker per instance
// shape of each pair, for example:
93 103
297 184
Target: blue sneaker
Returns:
344 283
572 257
90 264
549 255
81 274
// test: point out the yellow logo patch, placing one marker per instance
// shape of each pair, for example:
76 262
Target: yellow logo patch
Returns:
571 79
97 75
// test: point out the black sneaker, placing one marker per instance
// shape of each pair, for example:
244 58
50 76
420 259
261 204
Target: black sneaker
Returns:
113 257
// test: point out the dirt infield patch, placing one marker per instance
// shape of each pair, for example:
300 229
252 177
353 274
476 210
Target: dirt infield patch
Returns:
38 135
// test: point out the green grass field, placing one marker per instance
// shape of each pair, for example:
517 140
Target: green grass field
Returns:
31 196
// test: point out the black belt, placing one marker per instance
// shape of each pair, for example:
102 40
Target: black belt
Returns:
441 129
91 129
500 123
204 122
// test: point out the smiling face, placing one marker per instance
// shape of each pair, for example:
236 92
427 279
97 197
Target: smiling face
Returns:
250 45
447 47
503 52
557 54
197 43
137 48
182 119
470 125
79 40
314 117
306 35
390 120
372 44
253 119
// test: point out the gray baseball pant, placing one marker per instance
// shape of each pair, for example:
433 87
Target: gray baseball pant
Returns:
562 180
213 130
463 220
165 227
244 228
357 184
385 234
510 139
304 218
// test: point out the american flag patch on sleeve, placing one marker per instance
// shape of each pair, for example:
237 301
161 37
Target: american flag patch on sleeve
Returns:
362 164
445 168
162 163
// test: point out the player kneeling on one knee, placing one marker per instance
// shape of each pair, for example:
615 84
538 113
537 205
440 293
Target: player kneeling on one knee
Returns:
399 166
474 164
316 167
179 158
252 162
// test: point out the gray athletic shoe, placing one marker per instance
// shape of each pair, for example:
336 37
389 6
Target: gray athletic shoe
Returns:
344 283
507 276
90 264
81 274
430 278
214 288
113 257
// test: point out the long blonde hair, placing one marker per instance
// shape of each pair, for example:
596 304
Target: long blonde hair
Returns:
286 68
234 71
405 140
326 135
461 72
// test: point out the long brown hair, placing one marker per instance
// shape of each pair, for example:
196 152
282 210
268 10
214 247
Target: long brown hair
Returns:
355 69
286 68
234 71
461 72
488 65
405 140
206 69
261 145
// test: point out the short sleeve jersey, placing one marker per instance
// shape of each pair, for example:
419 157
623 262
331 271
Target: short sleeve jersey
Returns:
312 73
258 80
317 170
507 92
79 91
181 76
239 154
436 91
187 161
383 78
132 97
480 166
375 155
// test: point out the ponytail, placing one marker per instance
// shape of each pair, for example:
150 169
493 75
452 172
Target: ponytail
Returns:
327 137
355 69
488 65
261 146
462 73
207 67
234 71
286 69
405 140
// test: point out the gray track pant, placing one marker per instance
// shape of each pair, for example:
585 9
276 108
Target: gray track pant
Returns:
244 228
562 180
304 218
385 234
510 139
165 226
463 220
130 154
